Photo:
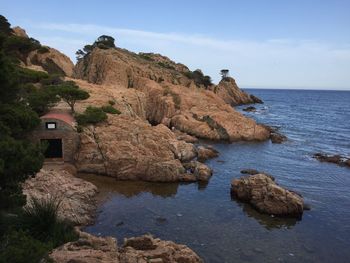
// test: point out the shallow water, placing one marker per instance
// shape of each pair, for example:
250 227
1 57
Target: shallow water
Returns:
223 230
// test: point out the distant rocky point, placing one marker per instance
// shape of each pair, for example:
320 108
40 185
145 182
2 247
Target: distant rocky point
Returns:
336 159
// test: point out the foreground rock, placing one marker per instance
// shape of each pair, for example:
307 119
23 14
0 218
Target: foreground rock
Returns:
77 196
337 159
262 192
165 95
144 249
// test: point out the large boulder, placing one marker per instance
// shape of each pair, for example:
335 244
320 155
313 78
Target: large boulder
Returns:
91 249
76 196
52 61
262 192
129 148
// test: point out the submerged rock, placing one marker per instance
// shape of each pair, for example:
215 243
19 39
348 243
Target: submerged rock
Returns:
90 249
277 137
250 109
337 159
261 191
205 153
198 171
249 171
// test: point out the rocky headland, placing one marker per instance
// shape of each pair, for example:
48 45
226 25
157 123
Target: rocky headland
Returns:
163 109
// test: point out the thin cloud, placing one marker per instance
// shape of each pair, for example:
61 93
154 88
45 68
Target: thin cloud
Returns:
274 62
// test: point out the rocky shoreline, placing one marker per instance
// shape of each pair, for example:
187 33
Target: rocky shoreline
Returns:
77 199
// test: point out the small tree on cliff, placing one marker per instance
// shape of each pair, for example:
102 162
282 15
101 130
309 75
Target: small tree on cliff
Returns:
224 73
70 93
104 42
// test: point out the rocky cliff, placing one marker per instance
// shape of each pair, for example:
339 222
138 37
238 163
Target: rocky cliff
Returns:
167 96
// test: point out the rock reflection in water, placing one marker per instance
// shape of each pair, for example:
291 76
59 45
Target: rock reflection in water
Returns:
269 222
108 186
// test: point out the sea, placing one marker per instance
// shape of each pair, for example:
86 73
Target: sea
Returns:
219 228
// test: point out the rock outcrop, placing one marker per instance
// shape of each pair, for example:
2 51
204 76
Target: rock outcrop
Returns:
336 159
144 249
20 32
166 96
46 58
228 90
262 192
128 148
52 61
76 196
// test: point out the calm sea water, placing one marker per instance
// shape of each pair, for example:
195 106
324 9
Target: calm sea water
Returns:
223 230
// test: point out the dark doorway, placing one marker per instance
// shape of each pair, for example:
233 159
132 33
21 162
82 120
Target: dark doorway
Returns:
54 148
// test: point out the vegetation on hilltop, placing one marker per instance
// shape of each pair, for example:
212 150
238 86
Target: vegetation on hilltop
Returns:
103 42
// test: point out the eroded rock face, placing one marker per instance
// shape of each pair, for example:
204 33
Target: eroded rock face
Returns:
261 191
228 90
131 149
52 61
76 195
166 96
144 249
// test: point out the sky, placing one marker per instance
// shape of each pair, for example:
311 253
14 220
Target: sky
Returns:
264 43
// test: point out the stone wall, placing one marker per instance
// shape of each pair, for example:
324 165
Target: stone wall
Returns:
64 131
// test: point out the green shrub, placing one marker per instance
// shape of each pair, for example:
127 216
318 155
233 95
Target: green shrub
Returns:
20 247
146 56
199 78
52 79
26 75
110 109
165 65
92 115
176 98
42 100
43 50
80 129
40 219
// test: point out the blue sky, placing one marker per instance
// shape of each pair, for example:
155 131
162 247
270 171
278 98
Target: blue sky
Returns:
264 43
